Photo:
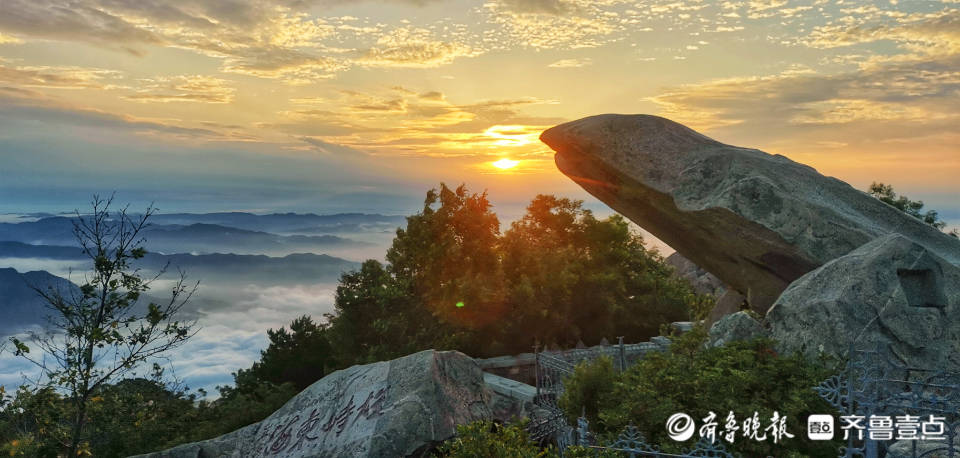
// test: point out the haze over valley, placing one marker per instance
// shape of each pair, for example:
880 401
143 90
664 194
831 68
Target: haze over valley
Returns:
255 271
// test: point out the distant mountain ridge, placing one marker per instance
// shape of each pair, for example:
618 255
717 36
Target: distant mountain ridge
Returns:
295 268
20 305
171 238
287 222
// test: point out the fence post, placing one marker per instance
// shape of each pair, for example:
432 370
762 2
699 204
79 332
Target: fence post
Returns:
623 354
536 370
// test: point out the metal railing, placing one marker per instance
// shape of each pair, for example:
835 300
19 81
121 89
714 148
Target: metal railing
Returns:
874 384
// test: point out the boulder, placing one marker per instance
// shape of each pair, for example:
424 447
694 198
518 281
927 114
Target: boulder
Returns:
891 290
388 409
511 400
734 327
754 220
703 282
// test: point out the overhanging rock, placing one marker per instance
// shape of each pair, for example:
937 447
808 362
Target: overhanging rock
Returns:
755 220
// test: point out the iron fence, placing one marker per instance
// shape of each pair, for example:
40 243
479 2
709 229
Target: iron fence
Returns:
549 424
876 384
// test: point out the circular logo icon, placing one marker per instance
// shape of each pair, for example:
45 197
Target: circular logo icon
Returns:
680 427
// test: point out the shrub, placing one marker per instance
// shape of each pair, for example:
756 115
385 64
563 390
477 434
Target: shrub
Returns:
589 389
490 439
743 378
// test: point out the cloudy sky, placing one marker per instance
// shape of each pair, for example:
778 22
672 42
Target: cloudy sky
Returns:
328 105
362 105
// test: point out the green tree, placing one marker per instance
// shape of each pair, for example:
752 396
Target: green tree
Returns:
557 276
743 377
248 401
135 415
31 423
379 317
575 278
914 208
139 415
489 439
105 332
448 253
299 356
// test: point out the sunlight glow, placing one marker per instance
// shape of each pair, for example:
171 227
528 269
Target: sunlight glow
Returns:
504 164
513 135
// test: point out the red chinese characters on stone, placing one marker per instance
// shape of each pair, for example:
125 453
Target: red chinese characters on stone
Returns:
283 439
375 408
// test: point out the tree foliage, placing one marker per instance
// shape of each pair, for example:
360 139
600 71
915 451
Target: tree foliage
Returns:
490 439
105 332
135 415
575 278
452 280
448 253
742 377
299 356
378 316
914 208
556 277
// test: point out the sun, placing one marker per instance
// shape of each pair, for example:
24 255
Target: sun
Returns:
504 164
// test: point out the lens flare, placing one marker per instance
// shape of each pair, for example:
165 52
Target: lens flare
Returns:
504 164
460 305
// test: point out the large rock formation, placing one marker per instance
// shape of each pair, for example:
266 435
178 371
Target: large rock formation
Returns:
733 327
891 290
388 409
755 220
703 282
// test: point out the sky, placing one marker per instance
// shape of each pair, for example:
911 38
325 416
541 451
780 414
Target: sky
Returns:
362 105
334 105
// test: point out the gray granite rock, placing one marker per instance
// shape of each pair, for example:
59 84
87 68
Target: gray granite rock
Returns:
511 400
731 301
735 327
703 282
755 220
388 409
891 290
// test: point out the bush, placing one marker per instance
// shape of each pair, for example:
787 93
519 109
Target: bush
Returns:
589 389
490 439
743 378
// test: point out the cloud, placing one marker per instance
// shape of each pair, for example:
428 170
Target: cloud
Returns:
331 148
893 122
61 77
901 91
917 87
71 21
432 95
273 39
401 121
21 105
217 350
571 63
555 7
413 47
72 270
554 24
926 35
9 39
184 88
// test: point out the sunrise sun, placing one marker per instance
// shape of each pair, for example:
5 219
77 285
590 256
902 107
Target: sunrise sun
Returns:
505 164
